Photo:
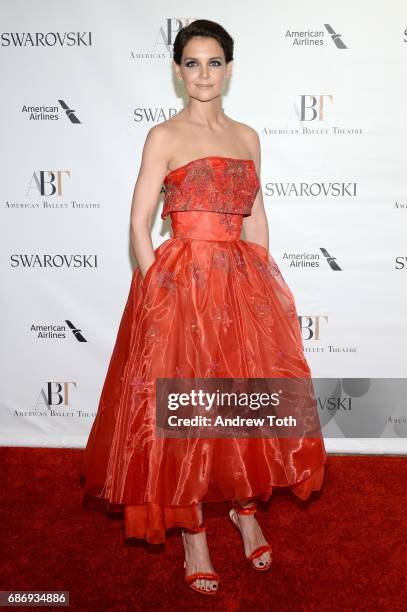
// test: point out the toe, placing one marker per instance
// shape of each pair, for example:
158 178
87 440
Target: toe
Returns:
265 558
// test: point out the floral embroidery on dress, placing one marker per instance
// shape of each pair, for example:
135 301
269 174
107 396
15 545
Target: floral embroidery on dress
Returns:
268 269
291 312
154 336
230 222
220 260
199 174
165 278
274 269
241 264
140 385
236 169
213 184
152 333
197 273
261 306
221 316
192 326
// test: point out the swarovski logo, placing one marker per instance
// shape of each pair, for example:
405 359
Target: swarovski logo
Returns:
23 260
46 39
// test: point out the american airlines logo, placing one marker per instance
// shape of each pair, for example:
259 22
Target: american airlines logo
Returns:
336 38
315 38
57 332
50 112
311 260
70 112
76 331
333 264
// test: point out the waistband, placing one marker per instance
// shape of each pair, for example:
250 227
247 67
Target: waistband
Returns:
204 225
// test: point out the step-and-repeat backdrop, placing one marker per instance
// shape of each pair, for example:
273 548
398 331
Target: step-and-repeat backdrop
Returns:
325 88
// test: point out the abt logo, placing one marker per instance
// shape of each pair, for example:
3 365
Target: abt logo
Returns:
47 182
311 326
170 29
55 394
311 107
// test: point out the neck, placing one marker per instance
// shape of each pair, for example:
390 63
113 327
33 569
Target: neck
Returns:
207 114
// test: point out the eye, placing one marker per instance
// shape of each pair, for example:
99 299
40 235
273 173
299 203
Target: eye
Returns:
191 63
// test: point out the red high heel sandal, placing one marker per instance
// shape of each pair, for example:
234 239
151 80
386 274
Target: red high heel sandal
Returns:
199 575
250 509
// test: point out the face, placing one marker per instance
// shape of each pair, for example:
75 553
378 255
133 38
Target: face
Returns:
203 68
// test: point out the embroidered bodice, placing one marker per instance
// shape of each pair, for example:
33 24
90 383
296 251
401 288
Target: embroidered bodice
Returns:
213 184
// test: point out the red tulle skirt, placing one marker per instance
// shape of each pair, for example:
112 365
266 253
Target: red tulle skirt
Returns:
211 305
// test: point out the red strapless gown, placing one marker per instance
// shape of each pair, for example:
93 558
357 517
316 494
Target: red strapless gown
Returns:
211 305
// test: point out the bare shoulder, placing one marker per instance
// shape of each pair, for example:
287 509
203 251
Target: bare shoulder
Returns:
248 134
158 145
163 138
158 135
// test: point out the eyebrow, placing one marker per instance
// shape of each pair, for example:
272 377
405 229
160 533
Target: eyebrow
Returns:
195 58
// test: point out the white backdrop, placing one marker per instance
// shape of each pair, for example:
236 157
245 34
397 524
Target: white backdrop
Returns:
84 81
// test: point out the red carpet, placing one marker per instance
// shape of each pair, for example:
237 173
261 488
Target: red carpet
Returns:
344 550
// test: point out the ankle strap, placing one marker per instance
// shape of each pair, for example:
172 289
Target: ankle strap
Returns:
199 529
249 509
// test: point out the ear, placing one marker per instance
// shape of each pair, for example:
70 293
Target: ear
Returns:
177 71
229 69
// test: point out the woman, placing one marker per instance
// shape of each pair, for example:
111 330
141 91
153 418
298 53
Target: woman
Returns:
205 303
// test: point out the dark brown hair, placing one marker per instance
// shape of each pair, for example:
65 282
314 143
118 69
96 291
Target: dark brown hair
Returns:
203 27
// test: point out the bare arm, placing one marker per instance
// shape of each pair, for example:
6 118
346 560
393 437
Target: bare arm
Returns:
146 193
255 226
